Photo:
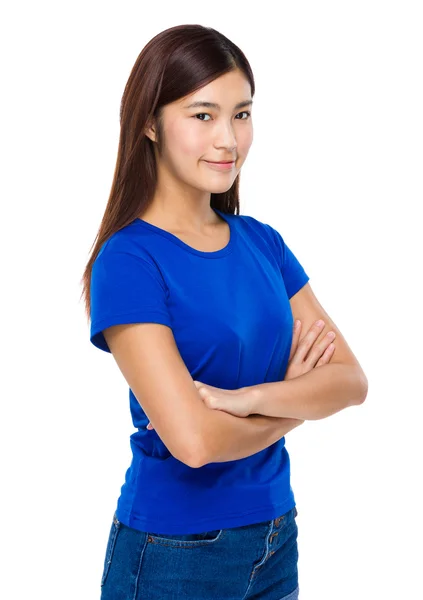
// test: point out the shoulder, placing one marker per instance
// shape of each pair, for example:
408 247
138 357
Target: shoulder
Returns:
130 242
269 234
127 260
257 225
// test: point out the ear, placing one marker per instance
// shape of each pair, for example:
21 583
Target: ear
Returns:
150 131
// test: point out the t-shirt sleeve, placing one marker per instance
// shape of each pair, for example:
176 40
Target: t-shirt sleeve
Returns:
293 273
125 288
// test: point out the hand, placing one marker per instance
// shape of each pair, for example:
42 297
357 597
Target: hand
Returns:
306 355
235 402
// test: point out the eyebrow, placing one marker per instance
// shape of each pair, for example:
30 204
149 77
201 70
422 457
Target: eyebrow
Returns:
214 105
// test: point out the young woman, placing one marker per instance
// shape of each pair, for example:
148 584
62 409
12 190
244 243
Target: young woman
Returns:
197 303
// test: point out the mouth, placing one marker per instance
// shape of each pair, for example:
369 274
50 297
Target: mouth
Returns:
221 166
221 162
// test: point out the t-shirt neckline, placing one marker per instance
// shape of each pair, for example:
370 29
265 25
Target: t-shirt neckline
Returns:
173 238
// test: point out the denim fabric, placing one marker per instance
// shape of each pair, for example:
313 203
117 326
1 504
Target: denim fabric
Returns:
252 562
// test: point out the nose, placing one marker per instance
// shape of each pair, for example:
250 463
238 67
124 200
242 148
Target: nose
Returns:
225 138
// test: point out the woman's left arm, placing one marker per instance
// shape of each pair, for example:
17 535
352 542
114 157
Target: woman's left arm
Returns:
322 391
315 395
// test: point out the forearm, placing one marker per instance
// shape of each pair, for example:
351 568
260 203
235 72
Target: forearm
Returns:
227 437
317 394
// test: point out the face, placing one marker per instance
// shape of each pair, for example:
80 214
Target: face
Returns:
196 136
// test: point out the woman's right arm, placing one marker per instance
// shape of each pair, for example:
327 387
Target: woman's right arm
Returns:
229 438
149 359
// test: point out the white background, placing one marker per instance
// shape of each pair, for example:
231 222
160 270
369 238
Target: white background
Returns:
335 166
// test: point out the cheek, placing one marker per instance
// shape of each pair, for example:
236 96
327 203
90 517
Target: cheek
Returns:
245 139
189 140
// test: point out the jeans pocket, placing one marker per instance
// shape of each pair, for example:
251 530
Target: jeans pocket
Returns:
111 542
288 518
187 540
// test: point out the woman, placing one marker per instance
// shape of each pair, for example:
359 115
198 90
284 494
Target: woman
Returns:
197 303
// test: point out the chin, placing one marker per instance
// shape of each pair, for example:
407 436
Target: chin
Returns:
214 189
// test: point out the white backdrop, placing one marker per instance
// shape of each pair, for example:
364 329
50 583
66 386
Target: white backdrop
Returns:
335 166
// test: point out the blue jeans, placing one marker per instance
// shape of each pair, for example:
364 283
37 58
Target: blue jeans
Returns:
252 562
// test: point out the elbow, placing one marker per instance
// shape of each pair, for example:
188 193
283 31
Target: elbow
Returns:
195 461
200 452
365 390
363 386
195 457
195 464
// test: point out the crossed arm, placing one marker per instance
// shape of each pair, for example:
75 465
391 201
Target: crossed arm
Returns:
314 395
274 409
322 391
197 435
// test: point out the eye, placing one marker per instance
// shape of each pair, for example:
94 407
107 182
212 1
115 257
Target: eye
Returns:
245 112
201 114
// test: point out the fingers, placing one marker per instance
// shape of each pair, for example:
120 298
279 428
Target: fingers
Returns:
307 342
322 351
205 386
295 338
326 356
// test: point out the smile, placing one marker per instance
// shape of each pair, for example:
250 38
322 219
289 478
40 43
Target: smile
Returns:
222 166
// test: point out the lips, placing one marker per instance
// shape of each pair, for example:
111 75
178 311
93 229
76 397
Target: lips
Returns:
220 162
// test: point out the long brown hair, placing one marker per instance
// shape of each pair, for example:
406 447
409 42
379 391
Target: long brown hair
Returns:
173 64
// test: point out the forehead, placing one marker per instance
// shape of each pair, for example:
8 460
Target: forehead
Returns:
227 92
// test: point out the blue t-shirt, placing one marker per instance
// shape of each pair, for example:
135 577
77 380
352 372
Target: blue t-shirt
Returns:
230 314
